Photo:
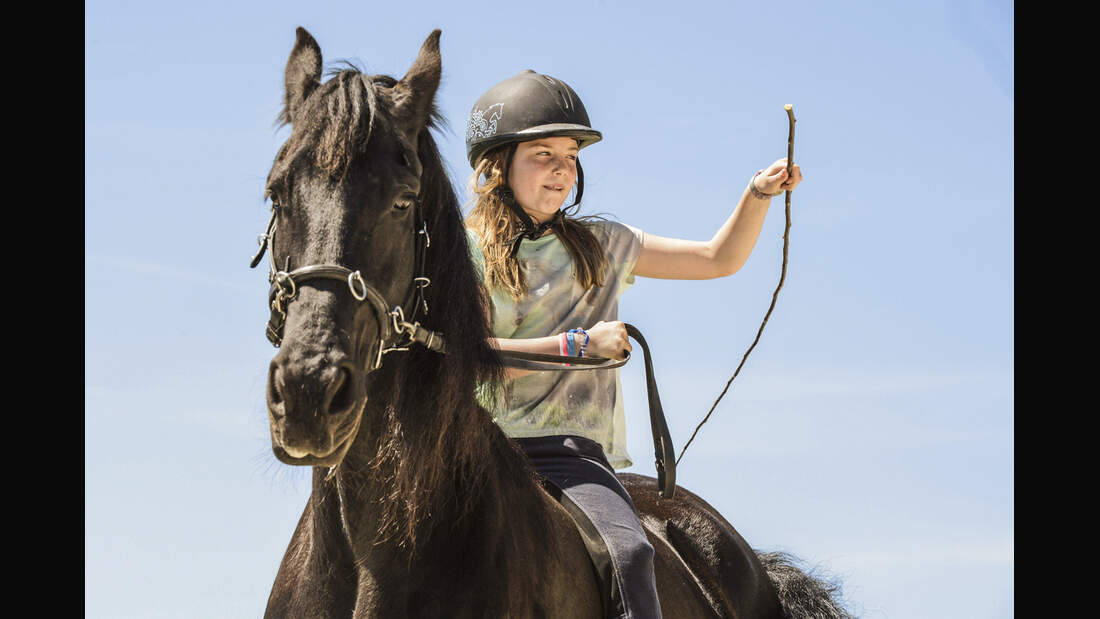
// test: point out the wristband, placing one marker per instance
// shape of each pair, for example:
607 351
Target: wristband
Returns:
585 344
760 194
571 344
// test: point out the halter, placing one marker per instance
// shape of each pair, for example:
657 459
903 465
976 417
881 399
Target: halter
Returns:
392 323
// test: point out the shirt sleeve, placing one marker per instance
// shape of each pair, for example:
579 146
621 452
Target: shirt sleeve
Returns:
632 251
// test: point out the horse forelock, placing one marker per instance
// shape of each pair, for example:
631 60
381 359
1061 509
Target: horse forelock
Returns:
339 117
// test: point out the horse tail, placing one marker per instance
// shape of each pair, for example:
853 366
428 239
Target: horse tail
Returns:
802 595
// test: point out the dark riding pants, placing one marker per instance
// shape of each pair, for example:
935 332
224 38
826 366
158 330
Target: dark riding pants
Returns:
579 468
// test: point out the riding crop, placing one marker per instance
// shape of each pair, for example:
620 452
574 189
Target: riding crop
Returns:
782 276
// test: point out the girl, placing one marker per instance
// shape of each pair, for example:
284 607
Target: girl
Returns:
554 280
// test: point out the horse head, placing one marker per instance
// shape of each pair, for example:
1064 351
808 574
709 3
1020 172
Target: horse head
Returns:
343 241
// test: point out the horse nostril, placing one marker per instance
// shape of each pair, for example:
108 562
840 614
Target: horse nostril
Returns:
274 376
342 392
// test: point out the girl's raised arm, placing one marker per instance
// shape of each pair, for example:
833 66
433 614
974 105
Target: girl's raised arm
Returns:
727 251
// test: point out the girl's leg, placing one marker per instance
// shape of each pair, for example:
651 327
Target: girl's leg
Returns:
578 467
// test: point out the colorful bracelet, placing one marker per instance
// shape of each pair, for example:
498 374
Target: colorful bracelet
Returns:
585 344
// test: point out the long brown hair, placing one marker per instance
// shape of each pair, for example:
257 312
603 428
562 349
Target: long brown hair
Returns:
496 225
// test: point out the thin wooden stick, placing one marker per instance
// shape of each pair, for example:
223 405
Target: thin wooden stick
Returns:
782 277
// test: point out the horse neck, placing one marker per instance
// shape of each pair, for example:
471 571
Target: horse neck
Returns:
479 487
396 472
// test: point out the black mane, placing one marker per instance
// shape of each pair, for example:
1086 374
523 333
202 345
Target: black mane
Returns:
419 393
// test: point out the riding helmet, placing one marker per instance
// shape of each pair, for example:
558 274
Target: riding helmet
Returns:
525 107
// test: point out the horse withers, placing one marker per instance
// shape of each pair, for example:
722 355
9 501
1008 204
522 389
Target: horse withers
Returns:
420 506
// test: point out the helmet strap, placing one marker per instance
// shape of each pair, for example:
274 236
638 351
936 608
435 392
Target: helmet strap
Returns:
530 230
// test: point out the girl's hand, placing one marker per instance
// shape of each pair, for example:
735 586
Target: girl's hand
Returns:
608 340
774 179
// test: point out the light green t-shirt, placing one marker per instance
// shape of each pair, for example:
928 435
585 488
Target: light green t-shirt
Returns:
583 403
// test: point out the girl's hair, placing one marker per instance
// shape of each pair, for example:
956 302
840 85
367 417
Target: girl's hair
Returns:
496 226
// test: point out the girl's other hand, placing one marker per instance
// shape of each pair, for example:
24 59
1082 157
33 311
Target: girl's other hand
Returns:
608 340
774 178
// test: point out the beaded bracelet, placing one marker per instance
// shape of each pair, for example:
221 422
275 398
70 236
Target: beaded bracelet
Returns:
760 194
585 344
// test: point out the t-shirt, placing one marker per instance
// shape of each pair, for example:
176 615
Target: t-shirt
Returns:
585 403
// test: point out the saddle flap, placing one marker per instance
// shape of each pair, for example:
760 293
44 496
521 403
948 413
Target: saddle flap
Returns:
610 596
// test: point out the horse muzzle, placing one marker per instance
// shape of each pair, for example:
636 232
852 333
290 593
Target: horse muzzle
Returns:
315 400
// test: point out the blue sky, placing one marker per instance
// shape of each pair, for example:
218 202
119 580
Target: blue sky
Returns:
870 432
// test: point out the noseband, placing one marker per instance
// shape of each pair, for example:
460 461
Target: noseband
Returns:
395 331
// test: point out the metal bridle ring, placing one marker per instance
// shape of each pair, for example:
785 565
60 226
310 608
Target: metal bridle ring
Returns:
356 277
424 230
281 279
398 317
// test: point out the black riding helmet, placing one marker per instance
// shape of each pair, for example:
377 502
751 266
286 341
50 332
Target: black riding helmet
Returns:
525 107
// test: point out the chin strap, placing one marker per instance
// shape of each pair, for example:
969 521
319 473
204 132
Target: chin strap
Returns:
531 230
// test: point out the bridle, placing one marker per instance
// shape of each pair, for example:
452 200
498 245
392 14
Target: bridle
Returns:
396 332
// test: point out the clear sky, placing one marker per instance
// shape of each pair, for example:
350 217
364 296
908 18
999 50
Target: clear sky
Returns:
871 431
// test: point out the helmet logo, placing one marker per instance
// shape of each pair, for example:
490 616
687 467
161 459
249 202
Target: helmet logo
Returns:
483 123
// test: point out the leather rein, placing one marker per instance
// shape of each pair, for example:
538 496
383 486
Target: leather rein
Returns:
397 332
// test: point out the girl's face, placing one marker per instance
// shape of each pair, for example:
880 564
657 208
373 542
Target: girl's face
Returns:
542 174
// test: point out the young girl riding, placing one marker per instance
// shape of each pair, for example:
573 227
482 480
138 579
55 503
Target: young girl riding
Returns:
554 279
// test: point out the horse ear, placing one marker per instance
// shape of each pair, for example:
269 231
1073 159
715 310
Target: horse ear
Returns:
303 74
415 93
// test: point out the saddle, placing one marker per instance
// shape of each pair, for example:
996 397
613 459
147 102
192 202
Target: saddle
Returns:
602 567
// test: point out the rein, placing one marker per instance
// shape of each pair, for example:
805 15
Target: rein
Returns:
663 451
392 323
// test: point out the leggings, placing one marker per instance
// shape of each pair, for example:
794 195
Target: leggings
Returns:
578 467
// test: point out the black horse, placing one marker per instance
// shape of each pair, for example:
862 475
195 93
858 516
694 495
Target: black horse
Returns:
420 505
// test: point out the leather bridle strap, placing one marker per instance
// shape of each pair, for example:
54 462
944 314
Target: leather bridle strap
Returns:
391 322
663 451
359 289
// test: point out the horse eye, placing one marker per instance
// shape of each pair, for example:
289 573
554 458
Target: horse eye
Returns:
275 202
404 201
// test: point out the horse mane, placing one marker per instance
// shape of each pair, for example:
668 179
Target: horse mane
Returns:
444 464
